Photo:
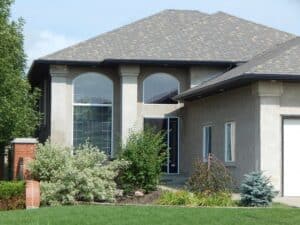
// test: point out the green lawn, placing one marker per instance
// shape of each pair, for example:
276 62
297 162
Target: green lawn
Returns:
144 215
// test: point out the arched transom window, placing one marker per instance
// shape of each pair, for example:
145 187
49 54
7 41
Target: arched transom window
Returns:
92 111
160 88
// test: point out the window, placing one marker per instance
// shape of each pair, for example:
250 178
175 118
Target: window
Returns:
230 142
160 88
206 142
92 111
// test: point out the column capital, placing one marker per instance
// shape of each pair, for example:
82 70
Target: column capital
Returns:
129 70
58 70
267 89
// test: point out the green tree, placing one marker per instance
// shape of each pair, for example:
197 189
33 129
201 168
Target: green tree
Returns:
18 117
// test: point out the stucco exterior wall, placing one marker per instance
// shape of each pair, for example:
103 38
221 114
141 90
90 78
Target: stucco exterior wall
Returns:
199 74
277 100
238 105
62 102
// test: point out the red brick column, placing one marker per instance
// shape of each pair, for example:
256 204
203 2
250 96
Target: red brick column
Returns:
32 194
23 151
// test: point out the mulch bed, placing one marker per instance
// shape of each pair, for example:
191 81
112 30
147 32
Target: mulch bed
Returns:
149 198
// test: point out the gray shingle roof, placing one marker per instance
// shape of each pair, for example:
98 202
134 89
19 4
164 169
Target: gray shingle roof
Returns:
287 62
178 35
282 59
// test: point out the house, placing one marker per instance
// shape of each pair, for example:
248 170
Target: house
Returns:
215 83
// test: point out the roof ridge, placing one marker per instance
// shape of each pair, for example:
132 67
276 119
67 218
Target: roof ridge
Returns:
115 30
248 21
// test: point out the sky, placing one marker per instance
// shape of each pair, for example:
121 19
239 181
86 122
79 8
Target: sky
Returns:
56 24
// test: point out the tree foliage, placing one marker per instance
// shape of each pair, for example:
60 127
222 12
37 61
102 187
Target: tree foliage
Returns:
145 151
18 117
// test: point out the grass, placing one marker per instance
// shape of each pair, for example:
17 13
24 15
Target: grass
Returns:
137 215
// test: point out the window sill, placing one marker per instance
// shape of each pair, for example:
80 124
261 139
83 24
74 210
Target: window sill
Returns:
230 164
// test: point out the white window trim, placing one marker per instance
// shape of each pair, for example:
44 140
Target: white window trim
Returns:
204 142
178 88
97 105
232 134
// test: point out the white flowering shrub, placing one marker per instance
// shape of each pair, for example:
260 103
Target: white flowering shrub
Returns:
65 178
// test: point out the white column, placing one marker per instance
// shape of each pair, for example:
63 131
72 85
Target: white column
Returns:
270 130
129 94
61 106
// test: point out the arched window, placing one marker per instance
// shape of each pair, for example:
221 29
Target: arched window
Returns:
92 111
160 88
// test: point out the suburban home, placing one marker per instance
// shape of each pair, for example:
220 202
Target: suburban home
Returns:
215 83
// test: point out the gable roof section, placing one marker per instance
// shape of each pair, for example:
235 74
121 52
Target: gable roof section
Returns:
178 35
281 62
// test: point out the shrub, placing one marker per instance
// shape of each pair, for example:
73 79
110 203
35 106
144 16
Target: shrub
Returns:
200 199
177 198
215 199
145 152
256 190
65 178
12 195
210 177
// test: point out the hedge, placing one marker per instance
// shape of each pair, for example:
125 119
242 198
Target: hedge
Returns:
12 195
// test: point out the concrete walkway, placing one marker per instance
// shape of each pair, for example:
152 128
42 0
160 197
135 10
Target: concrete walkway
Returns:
291 201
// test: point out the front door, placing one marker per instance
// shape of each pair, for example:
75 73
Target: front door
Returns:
170 127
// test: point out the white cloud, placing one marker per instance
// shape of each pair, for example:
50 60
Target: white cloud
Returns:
41 43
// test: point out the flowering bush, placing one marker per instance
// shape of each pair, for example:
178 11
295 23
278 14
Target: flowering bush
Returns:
67 178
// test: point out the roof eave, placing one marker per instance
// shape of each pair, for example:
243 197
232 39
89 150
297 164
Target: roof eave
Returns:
233 83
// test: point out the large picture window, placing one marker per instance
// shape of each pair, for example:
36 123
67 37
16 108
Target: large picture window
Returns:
160 88
92 111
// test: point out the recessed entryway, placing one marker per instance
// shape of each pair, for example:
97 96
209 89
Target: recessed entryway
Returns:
291 157
170 127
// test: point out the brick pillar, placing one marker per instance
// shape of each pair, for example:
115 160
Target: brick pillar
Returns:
23 151
32 194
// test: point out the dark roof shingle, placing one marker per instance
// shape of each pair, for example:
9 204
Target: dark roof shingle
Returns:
281 61
178 35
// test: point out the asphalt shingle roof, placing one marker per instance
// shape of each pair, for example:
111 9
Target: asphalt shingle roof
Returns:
281 61
178 35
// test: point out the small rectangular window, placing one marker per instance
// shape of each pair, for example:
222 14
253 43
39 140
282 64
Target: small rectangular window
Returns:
206 142
230 142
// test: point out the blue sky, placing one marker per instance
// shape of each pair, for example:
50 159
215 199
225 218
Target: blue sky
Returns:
52 25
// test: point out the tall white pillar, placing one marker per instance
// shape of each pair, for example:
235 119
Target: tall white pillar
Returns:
129 94
61 106
270 129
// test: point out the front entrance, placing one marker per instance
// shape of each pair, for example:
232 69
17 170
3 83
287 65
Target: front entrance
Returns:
291 157
170 127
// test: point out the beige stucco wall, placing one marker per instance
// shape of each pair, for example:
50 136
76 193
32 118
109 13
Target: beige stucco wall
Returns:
277 99
129 110
258 110
238 105
199 74
62 102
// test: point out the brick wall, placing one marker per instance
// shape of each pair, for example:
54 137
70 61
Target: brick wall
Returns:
23 152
